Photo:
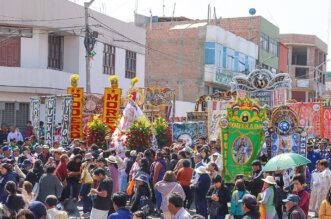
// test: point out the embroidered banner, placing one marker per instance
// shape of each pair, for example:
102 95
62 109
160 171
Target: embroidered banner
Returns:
242 136
189 132
76 130
309 117
35 111
50 107
111 107
66 120
326 122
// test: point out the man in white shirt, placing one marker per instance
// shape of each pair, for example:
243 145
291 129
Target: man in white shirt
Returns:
175 206
14 133
52 212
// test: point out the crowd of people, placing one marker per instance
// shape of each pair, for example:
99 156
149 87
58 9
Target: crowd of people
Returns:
178 182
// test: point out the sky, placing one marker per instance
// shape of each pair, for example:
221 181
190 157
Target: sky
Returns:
291 16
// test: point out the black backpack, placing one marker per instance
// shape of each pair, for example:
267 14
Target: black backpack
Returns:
128 167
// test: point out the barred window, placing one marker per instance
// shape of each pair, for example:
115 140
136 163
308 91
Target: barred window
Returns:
55 52
109 59
130 64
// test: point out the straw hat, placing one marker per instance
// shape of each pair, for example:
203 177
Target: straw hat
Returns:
111 159
201 170
270 180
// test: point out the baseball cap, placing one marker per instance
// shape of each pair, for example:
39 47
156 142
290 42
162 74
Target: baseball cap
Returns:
38 209
292 198
256 163
27 163
310 145
5 148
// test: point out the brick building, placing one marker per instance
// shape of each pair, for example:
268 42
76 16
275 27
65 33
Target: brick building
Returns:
260 31
283 58
195 58
307 65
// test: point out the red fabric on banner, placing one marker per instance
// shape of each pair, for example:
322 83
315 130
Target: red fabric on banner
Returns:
326 122
309 117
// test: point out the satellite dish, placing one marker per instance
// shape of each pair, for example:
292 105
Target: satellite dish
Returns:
252 11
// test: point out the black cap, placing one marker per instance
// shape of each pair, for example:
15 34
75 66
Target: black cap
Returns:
310 145
249 200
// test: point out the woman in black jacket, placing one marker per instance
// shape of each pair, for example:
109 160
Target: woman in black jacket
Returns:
143 191
217 197
34 176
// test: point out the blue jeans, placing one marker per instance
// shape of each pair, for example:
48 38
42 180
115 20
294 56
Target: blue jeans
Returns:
123 181
87 202
217 217
71 190
158 197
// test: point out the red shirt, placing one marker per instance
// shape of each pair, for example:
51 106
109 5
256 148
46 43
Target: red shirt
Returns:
62 171
184 176
304 200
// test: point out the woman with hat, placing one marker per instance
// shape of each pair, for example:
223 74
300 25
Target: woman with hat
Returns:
269 197
143 190
113 168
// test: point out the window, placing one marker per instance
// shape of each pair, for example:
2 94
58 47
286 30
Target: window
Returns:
229 59
14 113
299 56
55 52
108 59
264 42
301 73
10 51
130 64
274 47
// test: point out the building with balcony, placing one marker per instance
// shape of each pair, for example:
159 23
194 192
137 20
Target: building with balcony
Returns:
195 58
42 45
307 65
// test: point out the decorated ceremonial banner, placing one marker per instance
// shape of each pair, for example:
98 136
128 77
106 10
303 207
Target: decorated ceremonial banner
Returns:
242 136
111 110
285 134
216 110
50 107
35 110
309 117
326 119
263 85
196 116
76 130
66 120
112 104
189 132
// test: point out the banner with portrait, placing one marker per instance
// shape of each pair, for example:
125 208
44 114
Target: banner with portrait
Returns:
35 111
242 136
326 119
285 135
50 107
66 120
189 132
76 129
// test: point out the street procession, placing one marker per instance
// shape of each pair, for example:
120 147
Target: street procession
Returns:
173 113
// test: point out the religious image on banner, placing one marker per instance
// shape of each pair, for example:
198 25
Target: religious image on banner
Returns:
35 110
189 132
50 107
66 120
242 136
285 134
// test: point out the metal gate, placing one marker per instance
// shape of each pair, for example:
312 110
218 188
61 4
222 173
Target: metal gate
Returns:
14 113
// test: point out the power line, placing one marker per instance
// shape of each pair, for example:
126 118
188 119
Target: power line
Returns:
37 20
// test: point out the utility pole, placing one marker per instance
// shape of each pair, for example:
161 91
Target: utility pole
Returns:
88 53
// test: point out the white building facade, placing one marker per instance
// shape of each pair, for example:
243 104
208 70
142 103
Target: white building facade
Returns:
42 45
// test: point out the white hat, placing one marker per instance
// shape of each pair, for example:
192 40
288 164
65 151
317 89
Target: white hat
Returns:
111 159
216 154
270 180
133 153
201 170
